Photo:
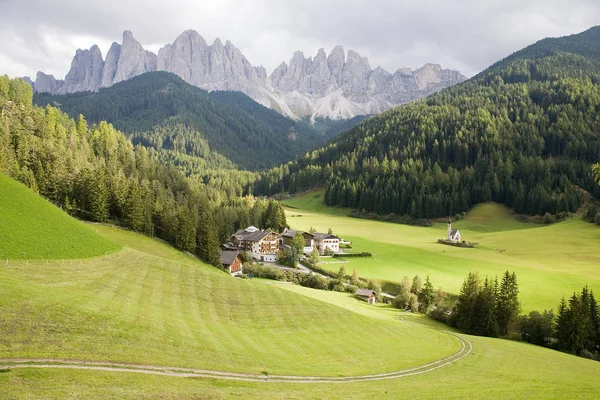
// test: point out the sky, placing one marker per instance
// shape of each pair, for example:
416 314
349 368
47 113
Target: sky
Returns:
467 35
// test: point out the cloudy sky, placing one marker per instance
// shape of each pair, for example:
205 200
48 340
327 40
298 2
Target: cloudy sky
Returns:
467 35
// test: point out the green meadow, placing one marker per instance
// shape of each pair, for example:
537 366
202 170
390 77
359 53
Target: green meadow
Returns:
149 304
31 227
550 261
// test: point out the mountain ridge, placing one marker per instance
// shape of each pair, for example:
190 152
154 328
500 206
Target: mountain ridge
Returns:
337 85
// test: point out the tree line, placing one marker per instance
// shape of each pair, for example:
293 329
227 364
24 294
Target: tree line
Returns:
491 308
96 173
524 135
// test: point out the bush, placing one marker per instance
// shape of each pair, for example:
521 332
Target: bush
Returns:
441 314
339 288
597 219
351 289
265 271
351 255
548 218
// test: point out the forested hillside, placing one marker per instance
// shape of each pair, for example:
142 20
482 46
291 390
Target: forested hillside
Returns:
96 173
524 133
160 110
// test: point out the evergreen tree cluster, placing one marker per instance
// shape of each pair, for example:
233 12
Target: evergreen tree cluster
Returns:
96 173
488 308
160 110
524 133
578 325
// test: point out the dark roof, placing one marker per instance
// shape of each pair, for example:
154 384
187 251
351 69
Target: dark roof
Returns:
291 233
228 257
257 236
364 292
229 247
453 232
321 236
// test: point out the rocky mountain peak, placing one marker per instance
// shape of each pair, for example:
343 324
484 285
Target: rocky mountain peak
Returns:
334 85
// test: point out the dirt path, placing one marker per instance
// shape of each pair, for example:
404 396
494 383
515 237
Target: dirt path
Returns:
10 363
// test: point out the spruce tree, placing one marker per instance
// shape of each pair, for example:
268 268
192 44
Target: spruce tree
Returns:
508 306
426 296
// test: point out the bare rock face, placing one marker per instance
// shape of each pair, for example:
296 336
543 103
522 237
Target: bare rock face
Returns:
338 85
133 60
86 71
110 65
46 83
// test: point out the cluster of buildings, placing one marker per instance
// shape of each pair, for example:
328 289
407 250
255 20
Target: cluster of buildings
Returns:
263 245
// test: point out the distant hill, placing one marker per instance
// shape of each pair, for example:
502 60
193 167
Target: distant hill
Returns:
34 228
160 110
524 133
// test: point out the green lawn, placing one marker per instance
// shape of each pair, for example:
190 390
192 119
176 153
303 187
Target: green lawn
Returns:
150 304
33 228
551 261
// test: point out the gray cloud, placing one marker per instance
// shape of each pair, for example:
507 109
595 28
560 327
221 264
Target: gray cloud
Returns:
468 35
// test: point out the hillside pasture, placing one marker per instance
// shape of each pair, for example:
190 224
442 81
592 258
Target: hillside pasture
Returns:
550 261
33 228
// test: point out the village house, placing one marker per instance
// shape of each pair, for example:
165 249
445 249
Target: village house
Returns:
453 235
288 236
232 262
262 245
367 295
323 241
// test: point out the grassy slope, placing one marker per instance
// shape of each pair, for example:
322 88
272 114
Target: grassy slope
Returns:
33 228
151 304
496 369
550 261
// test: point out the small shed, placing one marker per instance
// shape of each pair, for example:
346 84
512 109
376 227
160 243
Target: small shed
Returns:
386 298
368 295
232 262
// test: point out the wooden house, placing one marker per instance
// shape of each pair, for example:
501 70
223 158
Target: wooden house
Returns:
232 262
367 295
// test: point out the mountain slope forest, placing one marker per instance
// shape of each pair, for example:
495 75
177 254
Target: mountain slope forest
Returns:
223 129
524 133
96 173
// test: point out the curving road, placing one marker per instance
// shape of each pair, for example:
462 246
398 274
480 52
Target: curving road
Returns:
10 363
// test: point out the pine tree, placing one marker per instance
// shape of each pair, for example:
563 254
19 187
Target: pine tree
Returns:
426 296
464 310
508 306
207 247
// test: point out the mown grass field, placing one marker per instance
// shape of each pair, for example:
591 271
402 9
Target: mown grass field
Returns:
150 304
550 261
31 227
168 309
497 369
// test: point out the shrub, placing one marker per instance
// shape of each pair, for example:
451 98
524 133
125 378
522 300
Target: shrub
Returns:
351 255
548 218
339 288
597 219
441 314
351 288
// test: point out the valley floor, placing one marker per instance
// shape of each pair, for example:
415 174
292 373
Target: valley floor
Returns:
148 321
551 261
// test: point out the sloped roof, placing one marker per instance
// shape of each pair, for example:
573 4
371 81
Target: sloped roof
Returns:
228 257
321 236
364 292
254 236
454 232
291 233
